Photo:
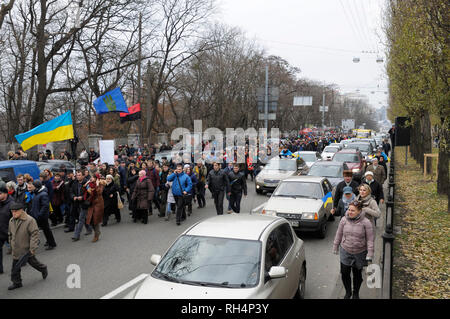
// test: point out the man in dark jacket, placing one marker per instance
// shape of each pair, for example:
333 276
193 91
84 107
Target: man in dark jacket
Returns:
76 198
348 181
40 210
238 185
163 190
217 182
5 216
386 147
93 155
376 188
181 185
154 177
21 189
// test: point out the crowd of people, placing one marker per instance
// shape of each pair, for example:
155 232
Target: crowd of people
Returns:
88 198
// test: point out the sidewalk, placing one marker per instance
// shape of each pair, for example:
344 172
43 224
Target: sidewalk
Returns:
366 292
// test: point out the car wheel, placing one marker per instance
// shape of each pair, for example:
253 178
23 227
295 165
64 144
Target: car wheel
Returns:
301 287
323 230
258 191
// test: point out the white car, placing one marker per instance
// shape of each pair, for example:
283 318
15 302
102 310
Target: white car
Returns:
236 256
310 157
305 201
328 152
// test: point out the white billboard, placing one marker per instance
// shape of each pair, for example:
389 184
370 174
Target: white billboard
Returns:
348 124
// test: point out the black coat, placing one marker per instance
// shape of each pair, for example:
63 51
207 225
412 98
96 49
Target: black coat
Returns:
237 182
218 181
110 202
40 204
19 195
5 216
340 191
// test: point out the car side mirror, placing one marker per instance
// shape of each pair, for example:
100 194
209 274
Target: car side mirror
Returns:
155 259
277 272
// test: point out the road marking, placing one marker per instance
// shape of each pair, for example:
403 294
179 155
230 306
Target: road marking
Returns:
125 286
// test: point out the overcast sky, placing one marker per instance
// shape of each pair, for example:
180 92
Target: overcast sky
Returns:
321 37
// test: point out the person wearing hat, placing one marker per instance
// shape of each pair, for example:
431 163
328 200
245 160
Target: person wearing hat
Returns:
348 181
378 171
5 215
23 234
346 199
376 188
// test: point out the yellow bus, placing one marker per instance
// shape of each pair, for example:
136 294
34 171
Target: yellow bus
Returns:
360 133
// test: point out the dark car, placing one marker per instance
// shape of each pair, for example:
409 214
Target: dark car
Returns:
54 165
10 169
354 160
333 171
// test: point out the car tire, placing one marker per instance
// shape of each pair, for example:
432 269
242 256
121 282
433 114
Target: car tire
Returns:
322 233
258 191
301 287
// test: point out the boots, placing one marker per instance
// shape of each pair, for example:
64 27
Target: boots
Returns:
95 239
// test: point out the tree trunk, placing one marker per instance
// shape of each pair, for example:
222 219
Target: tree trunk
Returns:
426 140
443 170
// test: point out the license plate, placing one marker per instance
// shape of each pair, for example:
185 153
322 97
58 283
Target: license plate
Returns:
293 223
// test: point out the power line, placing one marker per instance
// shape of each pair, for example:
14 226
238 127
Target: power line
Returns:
355 18
366 23
357 36
311 46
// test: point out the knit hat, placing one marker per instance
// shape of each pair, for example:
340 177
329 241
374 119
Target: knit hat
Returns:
369 173
347 190
3 188
37 183
186 166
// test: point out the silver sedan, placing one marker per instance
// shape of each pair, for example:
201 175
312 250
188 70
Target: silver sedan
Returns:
230 257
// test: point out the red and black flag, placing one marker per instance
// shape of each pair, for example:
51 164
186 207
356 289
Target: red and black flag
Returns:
134 113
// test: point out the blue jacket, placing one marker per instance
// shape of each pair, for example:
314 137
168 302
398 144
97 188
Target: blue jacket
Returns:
185 182
40 204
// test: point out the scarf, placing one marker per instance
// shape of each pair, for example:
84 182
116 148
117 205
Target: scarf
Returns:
142 178
347 201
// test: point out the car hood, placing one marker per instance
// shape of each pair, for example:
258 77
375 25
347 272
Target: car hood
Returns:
153 288
309 164
352 165
293 205
275 174
335 180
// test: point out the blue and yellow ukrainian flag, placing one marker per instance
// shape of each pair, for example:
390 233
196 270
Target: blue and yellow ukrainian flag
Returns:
58 129
327 199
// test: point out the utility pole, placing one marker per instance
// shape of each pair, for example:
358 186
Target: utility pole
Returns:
266 100
140 126
323 107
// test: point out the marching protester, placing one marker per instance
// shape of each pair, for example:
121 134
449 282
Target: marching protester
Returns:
346 199
201 173
369 205
21 189
79 206
217 182
143 195
171 203
96 208
110 199
378 171
163 189
191 193
238 185
348 181
23 235
355 241
57 200
5 215
132 178
39 209
181 186
375 187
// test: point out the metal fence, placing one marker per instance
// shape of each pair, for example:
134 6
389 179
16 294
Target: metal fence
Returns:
388 236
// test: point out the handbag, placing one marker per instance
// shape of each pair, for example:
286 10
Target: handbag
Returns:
187 198
119 202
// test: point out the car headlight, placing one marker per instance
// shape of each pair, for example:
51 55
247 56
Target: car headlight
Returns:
310 216
269 212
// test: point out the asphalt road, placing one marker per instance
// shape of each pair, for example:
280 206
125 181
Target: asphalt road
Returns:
123 254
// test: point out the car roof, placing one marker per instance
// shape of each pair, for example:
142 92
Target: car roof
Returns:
16 163
238 226
348 150
304 178
327 163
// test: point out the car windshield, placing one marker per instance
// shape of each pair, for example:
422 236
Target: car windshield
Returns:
363 147
298 189
308 157
286 165
331 149
209 261
326 171
346 157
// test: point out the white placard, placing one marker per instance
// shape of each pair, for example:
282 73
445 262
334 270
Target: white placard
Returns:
303 100
106 151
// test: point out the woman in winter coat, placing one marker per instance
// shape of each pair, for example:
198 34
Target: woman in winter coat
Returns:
143 194
355 237
116 177
131 184
346 199
96 208
110 200
370 206
188 171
